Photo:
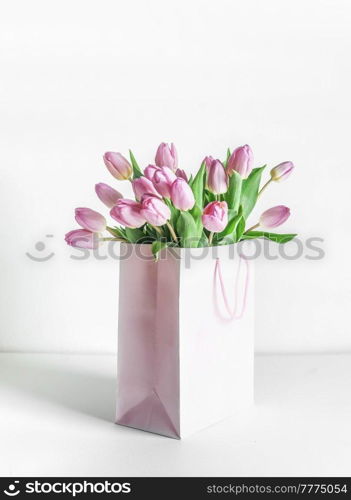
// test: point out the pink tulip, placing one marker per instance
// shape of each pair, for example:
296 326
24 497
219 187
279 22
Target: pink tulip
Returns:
282 171
118 166
128 213
154 210
90 220
141 186
217 179
181 173
150 170
241 160
166 156
208 161
81 238
163 180
274 216
107 194
215 216
182 195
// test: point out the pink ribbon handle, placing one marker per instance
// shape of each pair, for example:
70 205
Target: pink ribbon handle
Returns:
217 277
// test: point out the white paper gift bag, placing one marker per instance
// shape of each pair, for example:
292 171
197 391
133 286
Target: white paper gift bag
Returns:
185 341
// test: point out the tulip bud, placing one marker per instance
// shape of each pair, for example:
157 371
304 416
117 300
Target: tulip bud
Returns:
141 186
149 171
215 216
166 156
182 195
81 238
217 179
282 171
163 180
154 210
181 173
118 166
274 217
107 194
90 220
241 160
127 213
208 161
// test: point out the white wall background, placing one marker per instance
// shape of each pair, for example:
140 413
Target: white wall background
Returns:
79 78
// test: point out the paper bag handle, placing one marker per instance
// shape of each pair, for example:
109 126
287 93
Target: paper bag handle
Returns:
232 312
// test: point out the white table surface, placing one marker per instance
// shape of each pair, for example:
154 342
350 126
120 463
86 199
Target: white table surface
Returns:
57 419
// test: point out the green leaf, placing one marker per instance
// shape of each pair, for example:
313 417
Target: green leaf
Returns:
240 228
187 230
278 238
150 231
228 156
136 169
197 185
203 241
196 213
249 190
231 226
157 246
134 235
118 232
232 196
174 211
227 240
234 230
232 213
209 197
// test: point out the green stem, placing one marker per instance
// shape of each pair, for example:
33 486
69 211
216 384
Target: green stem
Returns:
171 230
157 229
264 187
115 237
253 227
210 238
110 230
111 239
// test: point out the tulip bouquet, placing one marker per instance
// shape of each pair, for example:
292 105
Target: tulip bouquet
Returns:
172 209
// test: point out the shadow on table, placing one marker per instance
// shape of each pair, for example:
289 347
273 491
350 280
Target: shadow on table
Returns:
78 389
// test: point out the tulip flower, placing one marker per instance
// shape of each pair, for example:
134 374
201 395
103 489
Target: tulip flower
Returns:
107 194
282 171
90 220
208 161
279 173
217 179
163 180
181 173
215 216
182 195
118 166
150 170
81 238
141 186
274 217
166 156
241 160
154 210
127 213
